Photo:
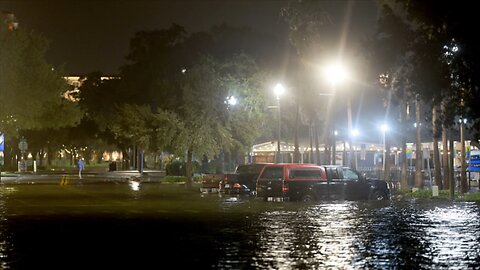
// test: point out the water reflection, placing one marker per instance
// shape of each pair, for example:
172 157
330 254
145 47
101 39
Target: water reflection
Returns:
134 185
356 235
205 231
5 244
452 235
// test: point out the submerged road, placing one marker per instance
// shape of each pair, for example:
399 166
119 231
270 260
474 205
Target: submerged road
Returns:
132 224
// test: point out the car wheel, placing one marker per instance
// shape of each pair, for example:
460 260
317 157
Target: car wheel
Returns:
308 198
378 195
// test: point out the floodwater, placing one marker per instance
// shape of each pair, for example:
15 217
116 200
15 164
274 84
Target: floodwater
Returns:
153 226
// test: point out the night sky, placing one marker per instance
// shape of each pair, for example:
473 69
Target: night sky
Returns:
93 35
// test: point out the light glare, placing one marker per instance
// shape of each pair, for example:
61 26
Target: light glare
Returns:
279 90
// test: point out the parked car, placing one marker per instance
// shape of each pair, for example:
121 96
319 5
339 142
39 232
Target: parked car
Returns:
310 182
211 183
243 181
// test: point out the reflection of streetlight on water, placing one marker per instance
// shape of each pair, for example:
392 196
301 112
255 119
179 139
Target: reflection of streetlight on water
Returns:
279 90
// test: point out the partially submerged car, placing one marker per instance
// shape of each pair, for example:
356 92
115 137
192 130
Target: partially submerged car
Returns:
310 182
243 181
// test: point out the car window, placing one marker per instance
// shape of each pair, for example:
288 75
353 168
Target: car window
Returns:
350 174
273 172
333 173
303 173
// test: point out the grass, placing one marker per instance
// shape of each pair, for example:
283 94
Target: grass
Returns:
442 195
179 179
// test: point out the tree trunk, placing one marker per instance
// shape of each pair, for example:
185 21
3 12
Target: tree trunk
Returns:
403 179
296 152
189 169
328 145
436 154
386 172
317 146
310 159
446 165
451 170
418 149
445 160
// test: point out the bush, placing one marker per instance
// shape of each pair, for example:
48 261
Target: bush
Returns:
178 167
175 168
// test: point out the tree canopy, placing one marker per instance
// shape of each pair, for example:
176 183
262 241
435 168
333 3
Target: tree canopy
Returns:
31 90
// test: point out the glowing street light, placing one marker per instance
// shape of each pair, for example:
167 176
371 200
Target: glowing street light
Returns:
279 90
335 73
231 100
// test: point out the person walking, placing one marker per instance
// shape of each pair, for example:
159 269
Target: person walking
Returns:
80 167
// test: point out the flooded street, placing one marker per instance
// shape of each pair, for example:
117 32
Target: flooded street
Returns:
154 226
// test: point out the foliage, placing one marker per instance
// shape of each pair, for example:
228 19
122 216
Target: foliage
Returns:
177 167
31 90
442 60
140 126
184 89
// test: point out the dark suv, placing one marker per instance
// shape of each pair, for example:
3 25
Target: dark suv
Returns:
310 182
243 181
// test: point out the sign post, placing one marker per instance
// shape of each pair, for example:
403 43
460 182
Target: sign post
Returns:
23 146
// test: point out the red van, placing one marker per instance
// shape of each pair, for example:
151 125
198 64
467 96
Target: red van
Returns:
310 182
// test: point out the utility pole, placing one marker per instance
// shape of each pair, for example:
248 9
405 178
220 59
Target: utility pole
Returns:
463 170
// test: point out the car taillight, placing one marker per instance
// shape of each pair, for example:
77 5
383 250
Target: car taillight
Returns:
237 185
284 188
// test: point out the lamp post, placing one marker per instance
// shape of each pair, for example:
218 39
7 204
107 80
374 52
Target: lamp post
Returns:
336 73
279 90
386 168
353 158
463 168
334 148
230 101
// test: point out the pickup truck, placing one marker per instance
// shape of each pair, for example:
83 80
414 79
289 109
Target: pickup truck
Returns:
210 183
243 181
310 182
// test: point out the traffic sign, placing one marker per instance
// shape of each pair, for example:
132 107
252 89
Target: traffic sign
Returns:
23 145
2 142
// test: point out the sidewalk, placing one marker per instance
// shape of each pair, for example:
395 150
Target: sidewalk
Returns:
87 176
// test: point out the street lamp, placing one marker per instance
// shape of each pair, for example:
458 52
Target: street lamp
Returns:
278 90
231 100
